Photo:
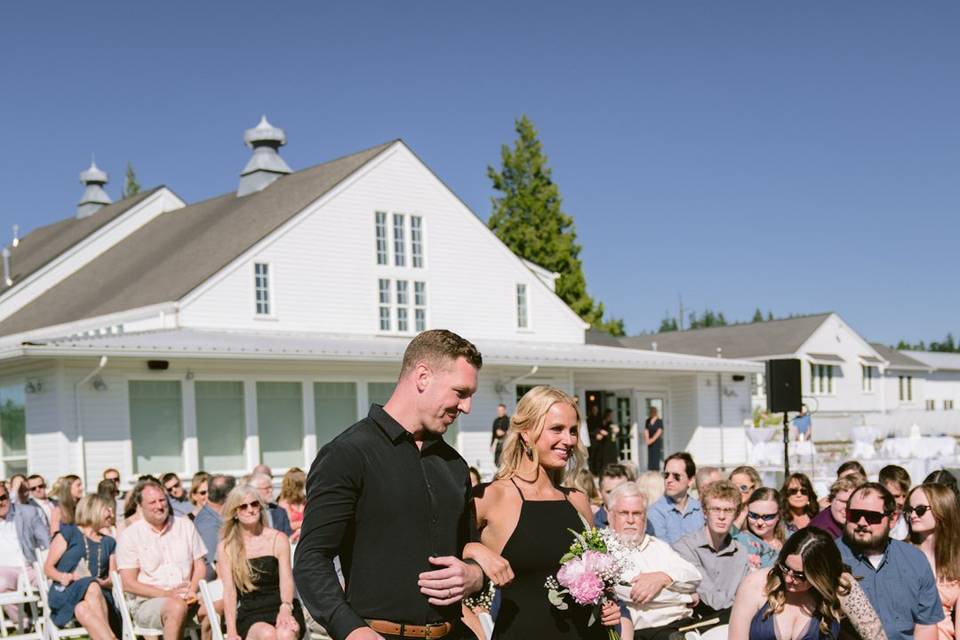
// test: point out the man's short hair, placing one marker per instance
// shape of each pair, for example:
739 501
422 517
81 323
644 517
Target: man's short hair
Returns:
108 470
628 489
851 465
167 477
897 474
437 346
617 470
142 486
889 504
688 463
219 487
721 490
36 476
846 483
703 473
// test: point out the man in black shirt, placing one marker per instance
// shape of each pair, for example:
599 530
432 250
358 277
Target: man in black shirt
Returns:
500 425
392 500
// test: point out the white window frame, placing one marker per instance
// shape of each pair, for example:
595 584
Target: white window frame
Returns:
417 244
382 238
269 278
399 240
403 305
931 405
523 306
948 405
867 377
821 379
420 302
384 302
25 458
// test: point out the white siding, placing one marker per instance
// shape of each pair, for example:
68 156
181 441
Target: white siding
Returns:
325 272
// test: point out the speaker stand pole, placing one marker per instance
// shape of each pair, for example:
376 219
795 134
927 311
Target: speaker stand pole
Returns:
786 447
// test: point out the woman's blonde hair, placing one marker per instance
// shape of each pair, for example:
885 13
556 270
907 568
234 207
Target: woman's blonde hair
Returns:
527 424
651 484
823 569
585 482
232 535
89 511
292 486
65 499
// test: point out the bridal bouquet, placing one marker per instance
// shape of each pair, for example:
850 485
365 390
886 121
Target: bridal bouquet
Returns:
587 573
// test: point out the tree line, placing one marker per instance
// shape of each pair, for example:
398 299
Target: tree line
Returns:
948 345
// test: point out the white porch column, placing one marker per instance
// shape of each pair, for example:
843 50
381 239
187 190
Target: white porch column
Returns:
250 417
191 449
309 425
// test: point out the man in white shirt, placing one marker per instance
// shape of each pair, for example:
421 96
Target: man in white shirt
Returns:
663 585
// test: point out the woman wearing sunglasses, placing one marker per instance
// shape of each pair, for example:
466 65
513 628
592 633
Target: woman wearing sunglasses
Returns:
764 532
799 502
803 596
254 563
934 519
746 480
198 491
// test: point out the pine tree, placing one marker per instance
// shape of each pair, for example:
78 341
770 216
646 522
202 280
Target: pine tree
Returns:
769 316
667 324
131 187
528 218
757 315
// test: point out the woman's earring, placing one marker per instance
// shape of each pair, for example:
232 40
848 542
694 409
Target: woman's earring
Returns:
527 449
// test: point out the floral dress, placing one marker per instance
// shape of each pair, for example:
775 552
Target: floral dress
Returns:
761 554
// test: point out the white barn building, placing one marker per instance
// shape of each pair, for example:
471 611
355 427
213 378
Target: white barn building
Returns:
152 335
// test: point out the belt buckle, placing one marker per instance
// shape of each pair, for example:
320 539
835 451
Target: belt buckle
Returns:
433 625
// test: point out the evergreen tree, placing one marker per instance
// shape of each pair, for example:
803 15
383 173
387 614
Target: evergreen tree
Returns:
757 315
528 218
667 324
131 187
769 315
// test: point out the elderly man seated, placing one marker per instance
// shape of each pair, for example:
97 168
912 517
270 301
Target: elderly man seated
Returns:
161 562
663 585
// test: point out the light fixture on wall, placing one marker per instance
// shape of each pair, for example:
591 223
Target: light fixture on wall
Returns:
33 386
99 384
189 375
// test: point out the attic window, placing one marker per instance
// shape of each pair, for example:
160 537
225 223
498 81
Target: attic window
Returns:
261 287
522 321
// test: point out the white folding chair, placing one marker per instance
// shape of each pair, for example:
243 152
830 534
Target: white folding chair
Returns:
22 597
50 630
41 555
130 631
210 593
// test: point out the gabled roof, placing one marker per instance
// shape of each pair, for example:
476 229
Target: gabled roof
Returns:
168 257
43 244
941 361
754 340
898 359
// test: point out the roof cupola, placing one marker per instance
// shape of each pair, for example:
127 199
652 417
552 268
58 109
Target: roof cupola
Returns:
266 165
94 197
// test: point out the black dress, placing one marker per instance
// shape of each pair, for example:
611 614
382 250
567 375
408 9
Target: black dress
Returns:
655 450
263 603
534 550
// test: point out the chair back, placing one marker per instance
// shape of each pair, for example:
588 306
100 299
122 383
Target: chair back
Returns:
208 593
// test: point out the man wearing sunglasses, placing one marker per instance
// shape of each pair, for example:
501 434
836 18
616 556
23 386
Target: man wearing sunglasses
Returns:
676 513
179 501
22 531
38 495
895 575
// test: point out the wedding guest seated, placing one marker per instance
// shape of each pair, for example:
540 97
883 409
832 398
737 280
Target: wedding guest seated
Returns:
850 468
79 564
584 482
677 513
258 590
161 562
276 516
293 498
833 518
798 502
612 476
22 531
38 493
897 481
935 529
662 585
209 520
764 532
705 477
179 501
69 491
803 596
198 491
895 575
746 480
721 560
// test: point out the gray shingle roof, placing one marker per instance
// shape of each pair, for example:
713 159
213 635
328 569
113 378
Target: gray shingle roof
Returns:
755 340
898 359
177 251
43 244
939 360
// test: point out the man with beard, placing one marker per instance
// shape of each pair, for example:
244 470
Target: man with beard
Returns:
895 575
391 499
663 586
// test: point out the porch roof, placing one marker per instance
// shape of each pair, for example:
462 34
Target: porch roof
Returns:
196 343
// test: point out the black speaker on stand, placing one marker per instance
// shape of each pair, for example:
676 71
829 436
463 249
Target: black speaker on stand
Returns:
784 395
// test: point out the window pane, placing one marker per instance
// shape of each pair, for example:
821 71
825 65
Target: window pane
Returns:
156 426
335 408
403 288
399 255
13 420
261 286
522 306
421 320
221 426
280 423
416 241
379 392
402 324
381 227
420 294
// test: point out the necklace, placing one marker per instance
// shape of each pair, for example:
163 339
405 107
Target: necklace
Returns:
535 477
93 568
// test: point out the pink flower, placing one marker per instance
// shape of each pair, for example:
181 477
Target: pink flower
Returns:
586 589
570 572
581 576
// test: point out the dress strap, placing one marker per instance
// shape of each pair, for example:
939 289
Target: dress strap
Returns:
517 487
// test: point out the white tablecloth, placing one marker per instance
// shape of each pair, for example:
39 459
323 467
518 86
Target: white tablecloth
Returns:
863 443
924 448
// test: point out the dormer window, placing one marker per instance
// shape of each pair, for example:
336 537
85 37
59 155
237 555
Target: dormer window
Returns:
261 288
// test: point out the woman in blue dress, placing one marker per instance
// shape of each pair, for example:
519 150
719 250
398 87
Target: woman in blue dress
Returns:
79 564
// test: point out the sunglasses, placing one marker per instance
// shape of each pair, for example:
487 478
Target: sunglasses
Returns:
171 487
920 510
766 517
797 491
4 499
38 487
249 505
676 476
799 576
202 492
872 517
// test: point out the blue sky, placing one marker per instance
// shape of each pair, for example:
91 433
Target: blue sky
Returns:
794 156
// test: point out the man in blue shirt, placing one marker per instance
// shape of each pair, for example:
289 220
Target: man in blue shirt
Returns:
676 514
895 575
208 520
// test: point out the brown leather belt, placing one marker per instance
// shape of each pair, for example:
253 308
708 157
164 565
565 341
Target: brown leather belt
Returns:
437 630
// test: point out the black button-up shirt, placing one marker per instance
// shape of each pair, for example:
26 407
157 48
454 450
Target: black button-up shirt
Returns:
383 506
